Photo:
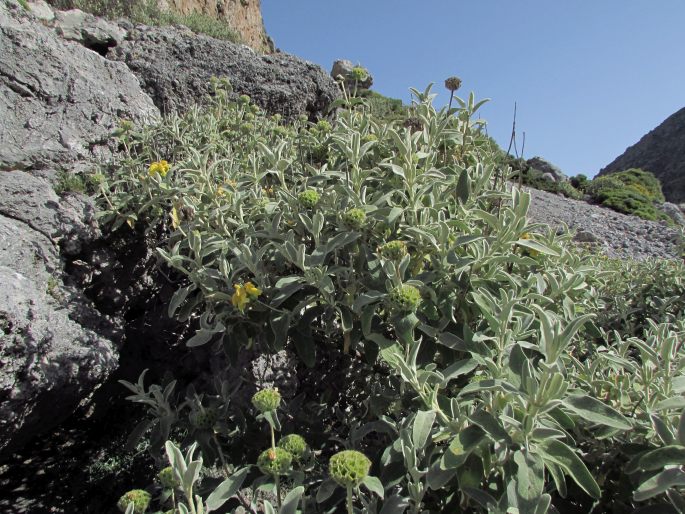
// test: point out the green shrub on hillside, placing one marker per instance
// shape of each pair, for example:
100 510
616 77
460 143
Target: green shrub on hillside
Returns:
383 107
147 12
632 191
477 378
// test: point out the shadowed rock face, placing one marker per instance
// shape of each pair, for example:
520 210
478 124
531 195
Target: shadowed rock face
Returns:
175 66
58 104
661 151
72 300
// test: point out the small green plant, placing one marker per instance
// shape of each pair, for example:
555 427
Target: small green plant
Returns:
24 4
69 183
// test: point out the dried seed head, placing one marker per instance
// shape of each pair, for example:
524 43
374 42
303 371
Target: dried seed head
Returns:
453 83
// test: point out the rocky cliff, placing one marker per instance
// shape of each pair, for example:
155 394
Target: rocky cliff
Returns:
68 80
661 151
245 16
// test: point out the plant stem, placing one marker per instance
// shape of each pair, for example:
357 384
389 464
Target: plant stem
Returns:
273 438
278 491
350 510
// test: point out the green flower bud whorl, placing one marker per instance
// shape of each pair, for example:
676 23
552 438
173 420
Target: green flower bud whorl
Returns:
453 83
244 99
139 498
204 419
349 468
394 250
266 400
359 73
295 445
308 199
275 461
324 126
167 478
354 218
405 298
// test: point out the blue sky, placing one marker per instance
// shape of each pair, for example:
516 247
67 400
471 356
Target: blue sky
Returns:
590 76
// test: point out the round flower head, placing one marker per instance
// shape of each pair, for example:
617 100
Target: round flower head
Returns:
244 99
349 468
266 400
139 498
274 461
167 478
204 419
453 83
295 445
354 218
324 126
308 199
359 73
405 298
394 250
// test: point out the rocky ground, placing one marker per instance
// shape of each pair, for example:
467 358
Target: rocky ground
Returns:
612 233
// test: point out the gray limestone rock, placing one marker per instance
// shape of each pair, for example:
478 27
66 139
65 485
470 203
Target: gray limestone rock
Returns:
41 10
674 212
344 68
544 166
59 101
175 67
49 359
94 33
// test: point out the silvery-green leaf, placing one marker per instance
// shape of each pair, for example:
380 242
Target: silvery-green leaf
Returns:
226 489
595 411
202 336
291 501
326 490
463 187
423 423
558 453
268 508
662 457
374 485
437 477
395 504
660 483
272 418
457 369
530 477
537 246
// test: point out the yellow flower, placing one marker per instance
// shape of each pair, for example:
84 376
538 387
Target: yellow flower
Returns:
159 168
220 191
252 291
240 298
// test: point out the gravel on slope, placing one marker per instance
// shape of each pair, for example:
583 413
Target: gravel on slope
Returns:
615 234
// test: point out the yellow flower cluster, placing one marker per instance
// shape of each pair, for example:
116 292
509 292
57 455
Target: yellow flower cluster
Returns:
158 168
244 294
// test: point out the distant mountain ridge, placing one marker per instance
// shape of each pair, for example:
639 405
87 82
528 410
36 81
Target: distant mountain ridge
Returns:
661 151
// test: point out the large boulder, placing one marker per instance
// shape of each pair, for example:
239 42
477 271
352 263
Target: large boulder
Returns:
53 348
345 69
175 67
545 167
59 101
662 152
